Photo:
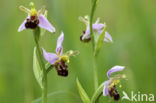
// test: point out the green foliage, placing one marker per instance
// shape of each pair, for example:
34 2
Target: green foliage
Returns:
83 94
37 69
97 94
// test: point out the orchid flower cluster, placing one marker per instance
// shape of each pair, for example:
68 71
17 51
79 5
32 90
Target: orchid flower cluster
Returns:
34 21
109 86
37 19
95 32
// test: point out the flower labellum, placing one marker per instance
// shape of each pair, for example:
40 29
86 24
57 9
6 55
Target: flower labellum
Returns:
86 39
110 85
35 19
114 93
61 68
59 59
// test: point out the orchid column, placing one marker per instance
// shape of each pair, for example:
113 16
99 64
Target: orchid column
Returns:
35 21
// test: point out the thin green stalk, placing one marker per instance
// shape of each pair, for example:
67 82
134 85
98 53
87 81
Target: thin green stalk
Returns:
93 44
44 90
95 74
41 63
91 21
49 68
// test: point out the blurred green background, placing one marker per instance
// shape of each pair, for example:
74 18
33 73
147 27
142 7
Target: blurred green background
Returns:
132 24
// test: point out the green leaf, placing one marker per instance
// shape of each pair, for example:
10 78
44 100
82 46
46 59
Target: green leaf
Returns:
37 69
99 39
97 94
82 93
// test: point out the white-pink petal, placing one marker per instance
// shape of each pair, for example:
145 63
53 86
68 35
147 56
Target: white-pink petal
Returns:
50 57
115 69
59 47
108 37
44 23
105 89
22 26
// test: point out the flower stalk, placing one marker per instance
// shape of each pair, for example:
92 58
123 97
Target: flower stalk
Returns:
95 73
36 34
93 44
91 21
49 67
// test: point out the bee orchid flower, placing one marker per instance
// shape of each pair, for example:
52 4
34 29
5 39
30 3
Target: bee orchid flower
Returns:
59 59
35 19
110 85
98 28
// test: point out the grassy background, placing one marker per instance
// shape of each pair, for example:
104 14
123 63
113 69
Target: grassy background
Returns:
132 24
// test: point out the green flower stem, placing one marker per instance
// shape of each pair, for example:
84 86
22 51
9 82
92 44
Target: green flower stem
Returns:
42 65
93 43
95 74
97 94
49 68
44 90
91 21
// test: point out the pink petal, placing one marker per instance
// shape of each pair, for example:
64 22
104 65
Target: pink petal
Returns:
108 37
105 89
114 69
98 27
22 26
59 48
50 57
44 23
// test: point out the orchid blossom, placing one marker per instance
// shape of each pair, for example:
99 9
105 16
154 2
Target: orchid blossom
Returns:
110 85
59 59
98 28
35 19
